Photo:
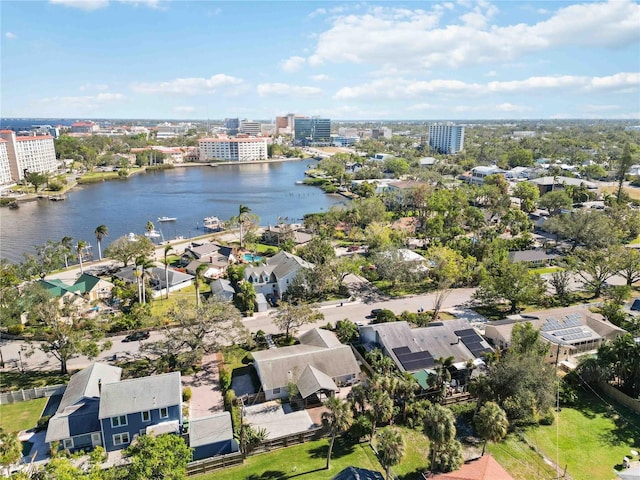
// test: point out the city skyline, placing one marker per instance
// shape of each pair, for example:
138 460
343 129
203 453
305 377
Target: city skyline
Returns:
342 60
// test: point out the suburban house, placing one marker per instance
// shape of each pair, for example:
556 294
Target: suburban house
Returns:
278 234
531 257
547 184
318 366
222 290
417 350
569 330
140 406
98 408
156 276
75 424
89 287
482 468
274 277
478 174
216 257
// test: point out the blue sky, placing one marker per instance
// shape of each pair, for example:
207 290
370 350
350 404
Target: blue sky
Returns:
465 59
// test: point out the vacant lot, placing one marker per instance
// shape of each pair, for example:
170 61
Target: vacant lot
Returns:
21 415
590 438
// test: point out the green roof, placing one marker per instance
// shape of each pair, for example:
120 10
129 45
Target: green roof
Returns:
57 288
422 377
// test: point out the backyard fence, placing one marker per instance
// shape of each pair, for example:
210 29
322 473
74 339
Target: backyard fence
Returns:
214 463
626 400
31 394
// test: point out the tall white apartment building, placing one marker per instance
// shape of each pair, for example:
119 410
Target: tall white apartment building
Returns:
5 170
31 154
446 138
229 149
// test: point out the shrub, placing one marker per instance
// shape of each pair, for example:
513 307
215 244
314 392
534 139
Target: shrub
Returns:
16 329
385 316
225 379
186 394
43 422
247 359
229 399
547 419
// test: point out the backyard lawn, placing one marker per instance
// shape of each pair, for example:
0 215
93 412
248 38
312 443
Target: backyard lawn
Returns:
590 438
416 454
14 380
304 462
520 460
21 415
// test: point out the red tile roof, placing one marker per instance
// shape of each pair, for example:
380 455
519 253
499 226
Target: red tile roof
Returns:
39 137
483 468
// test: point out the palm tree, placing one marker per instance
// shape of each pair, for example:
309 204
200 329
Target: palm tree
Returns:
243 216
145 264
390 448
440 428
381 408
67 246
100 232
491 423
79 248
197 280
167 249
149 227
338 418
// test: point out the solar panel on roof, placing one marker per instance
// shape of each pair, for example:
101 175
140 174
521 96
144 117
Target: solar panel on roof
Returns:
469 332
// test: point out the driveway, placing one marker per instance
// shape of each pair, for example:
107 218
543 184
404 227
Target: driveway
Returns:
206 395
278 419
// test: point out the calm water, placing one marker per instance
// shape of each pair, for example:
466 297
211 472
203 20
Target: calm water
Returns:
190 194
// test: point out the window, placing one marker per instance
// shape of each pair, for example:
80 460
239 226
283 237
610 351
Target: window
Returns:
164 412
120 438
146 416
143 431
96 439
276 391
67 443
119 421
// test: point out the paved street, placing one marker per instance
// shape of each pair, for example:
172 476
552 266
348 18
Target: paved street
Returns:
13 351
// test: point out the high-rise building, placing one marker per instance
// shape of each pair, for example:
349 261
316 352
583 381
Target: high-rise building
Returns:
312 131
232 125
5 169
446 138
29 154
233 149
250 127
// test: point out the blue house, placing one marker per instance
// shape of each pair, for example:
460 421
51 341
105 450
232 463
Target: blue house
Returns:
140 406
99 409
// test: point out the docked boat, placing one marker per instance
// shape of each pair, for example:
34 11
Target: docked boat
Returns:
153 234
167 219
212 224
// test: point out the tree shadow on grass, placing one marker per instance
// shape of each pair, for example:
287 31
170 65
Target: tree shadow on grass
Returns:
268 475
341 448
415 475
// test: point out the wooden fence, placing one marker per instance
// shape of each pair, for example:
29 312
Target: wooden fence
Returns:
31 394
217 463
626 400
214 463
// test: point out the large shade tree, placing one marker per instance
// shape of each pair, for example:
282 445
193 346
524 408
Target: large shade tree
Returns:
288 318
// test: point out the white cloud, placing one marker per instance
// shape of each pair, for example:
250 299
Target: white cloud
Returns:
184 109
399 88
491 73
10 36
321 77
283 89
418 107
510 107
414 39
293 64
90 5
85 102
188 86
601 108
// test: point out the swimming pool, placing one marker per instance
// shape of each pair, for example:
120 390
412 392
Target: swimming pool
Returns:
252 258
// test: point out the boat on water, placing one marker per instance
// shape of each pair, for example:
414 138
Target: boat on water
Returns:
167 219
153 234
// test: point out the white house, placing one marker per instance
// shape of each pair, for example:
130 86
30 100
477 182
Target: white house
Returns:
274 277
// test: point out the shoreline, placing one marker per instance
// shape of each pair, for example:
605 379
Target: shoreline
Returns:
31 197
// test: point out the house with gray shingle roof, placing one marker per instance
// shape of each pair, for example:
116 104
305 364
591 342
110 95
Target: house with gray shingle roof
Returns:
274 277
319 364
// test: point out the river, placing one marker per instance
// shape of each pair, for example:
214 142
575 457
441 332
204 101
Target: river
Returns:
188 193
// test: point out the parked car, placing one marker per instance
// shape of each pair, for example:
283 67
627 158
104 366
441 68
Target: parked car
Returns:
374 313
135 336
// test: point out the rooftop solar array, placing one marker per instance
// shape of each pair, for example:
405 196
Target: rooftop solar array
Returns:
472 341
571 320
413 360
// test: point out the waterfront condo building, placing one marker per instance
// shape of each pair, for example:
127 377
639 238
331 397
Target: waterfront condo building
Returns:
5 170
446 138
229 149
312 131
28 154
250 127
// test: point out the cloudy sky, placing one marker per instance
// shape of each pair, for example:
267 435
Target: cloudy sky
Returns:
465 59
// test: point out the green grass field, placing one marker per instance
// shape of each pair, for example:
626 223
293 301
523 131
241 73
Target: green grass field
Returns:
520 460
304 462
416 455
21 415
590 439
14 380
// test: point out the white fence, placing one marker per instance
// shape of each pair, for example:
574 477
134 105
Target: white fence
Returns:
31 393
